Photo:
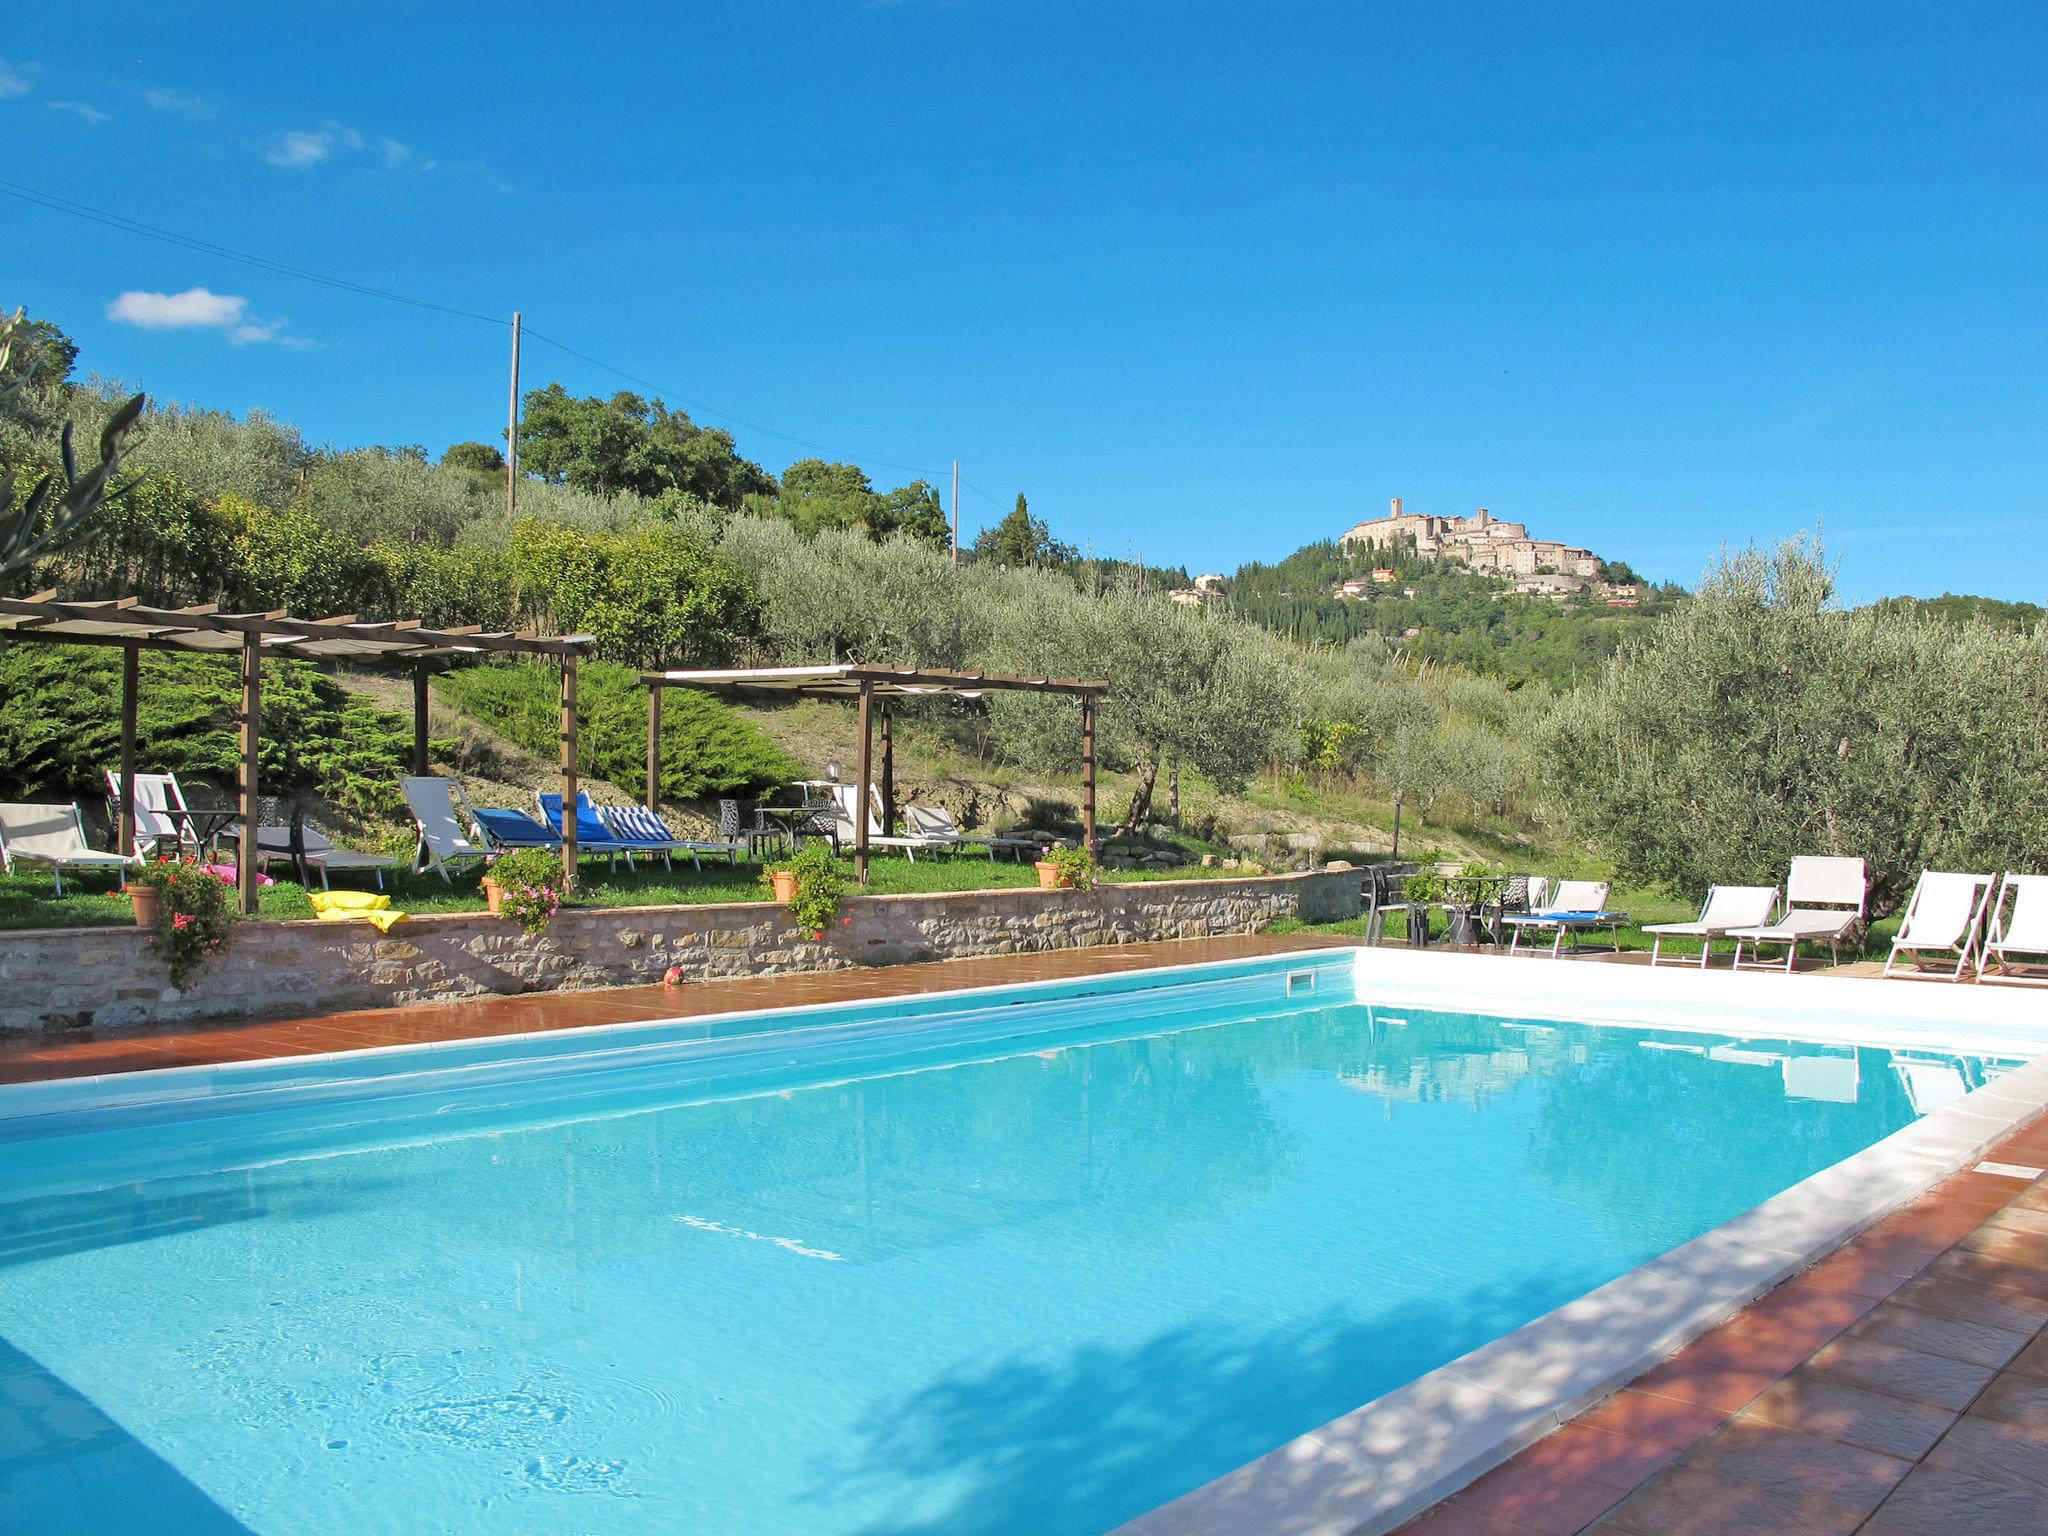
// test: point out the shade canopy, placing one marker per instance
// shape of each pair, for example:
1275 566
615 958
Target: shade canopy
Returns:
206 630
871 689
846 681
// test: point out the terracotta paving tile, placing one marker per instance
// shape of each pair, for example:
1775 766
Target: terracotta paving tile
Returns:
1990 1189
1931 1502
1931 1333
1788 1461
1661 1421
1683 1502
1854 1272
1878 1364
2015 1310
2015 1399
1816 1404
1453 1518
1537 1501
1996 1452
2028 1250
1801 1312
1584 1451
1724 1369
2019 1218
2033 1360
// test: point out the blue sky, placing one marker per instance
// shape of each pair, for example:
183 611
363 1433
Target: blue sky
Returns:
1204 282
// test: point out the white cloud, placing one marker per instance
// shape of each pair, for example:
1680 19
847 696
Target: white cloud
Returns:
162 100
175 311
296 151
17 79
203 310
85 112
396 154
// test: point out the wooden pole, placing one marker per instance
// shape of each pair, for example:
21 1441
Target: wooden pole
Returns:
252 736
419 721
888 772
866 777
1088 771
956 511
654 749
569 765
131 673
512 429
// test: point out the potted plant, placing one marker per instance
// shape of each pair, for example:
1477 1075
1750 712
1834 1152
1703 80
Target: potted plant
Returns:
528 888
1421 891
812 885
494 894
1067 868
190 912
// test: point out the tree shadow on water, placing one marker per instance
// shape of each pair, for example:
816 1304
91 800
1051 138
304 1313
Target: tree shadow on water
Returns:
65 1466
1077 1446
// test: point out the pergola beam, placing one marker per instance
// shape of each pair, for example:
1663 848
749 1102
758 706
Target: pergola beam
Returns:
279 625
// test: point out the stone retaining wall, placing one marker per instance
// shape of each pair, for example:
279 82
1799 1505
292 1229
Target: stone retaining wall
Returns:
63 980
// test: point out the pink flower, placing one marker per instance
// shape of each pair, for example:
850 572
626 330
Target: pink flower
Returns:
182 920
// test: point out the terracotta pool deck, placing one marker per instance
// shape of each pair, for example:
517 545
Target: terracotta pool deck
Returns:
1898 1387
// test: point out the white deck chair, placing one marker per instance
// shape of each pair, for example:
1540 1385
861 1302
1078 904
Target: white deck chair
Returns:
2016 928
274 843
160 812
937 821
1824 899
846 796
52 835
1575 906
1943 918
447 831
1726 907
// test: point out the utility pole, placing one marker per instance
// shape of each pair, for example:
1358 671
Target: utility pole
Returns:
956 511
512 429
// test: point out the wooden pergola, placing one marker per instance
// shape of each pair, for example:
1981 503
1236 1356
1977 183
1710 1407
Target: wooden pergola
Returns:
205 630
872 689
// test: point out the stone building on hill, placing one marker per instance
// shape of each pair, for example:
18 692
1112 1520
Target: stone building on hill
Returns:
1480 541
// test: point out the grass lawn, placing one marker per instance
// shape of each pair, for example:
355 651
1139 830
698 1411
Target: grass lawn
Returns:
90 901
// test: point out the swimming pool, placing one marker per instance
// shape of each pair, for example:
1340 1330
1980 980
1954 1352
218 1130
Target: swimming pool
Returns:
1032 1260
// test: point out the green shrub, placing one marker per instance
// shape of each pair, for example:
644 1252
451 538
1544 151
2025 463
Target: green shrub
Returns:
60 727
706 747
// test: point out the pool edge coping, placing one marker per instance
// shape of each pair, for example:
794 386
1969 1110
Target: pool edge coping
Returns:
1368 1472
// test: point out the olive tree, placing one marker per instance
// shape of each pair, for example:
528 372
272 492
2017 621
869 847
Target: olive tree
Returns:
1760 720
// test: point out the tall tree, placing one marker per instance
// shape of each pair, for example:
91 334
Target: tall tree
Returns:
1022 540
631 444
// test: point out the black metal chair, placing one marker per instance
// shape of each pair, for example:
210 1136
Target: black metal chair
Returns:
1385 891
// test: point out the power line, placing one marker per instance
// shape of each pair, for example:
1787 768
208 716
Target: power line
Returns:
64 205
226 253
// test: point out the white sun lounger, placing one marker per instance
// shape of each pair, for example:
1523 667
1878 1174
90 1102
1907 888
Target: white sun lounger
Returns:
1943 918
1727 907
274 843
1575 907
2016 929
447 832
1824 899
52 835
846 796
160 812
938 822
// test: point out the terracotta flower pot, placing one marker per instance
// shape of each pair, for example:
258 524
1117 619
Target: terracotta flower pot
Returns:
1049 876
784 882
494 894
148 903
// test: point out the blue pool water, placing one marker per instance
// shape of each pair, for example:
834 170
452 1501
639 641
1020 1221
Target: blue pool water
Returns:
1033 1265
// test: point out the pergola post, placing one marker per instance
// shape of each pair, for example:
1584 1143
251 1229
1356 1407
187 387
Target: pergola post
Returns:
1088 771
888 770
654 749
865 777
131 673
419 721
569 763
252 736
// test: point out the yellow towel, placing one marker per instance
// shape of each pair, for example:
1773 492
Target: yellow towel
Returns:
342 906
